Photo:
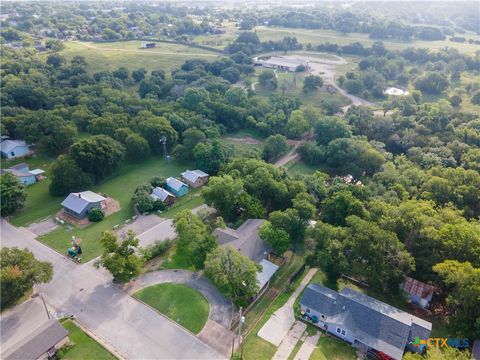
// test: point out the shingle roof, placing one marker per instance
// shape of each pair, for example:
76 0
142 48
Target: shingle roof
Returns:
246 239
193 175
78 203
8 145
160 194
175 183
376 324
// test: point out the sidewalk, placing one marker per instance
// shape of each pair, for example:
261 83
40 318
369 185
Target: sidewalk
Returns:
279 324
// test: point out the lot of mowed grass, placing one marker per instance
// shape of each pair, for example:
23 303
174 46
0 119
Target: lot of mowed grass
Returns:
109 56
329 348
179 302
318 36
83 346
119 186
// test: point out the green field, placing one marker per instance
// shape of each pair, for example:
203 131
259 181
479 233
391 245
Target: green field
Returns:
180 303
317 36
111 55
218 41
84 347
329 348
120 186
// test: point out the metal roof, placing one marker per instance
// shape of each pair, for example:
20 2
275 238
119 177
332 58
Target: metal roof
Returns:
175 184
416 287
193 175
160 194
8 145
268 269
37 171
77 202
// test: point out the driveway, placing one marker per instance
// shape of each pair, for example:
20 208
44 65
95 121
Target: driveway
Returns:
133 329
220 307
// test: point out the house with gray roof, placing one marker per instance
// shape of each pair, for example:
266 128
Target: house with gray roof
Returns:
79 204
28 333
22 172
11 149
363 321
246 239
163 195
176 187
195 178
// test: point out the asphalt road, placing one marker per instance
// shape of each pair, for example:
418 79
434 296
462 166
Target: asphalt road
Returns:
133 329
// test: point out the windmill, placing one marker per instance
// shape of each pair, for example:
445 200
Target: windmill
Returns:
163 141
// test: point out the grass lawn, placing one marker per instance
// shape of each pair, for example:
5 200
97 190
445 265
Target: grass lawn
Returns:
111 55
84 347
329 348
318 36
120 186
176 260
190 201
179 302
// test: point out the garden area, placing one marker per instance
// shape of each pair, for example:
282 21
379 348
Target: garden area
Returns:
178 302
81 345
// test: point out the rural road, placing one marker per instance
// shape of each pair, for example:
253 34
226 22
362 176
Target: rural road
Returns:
131 328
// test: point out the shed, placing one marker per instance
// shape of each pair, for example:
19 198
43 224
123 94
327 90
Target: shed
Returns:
163 195
195 178
418 292
11 149
79 204
176 187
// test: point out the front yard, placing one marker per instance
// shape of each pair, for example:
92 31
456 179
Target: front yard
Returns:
329 348
179 302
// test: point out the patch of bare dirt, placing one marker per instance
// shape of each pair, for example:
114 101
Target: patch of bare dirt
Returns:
244 140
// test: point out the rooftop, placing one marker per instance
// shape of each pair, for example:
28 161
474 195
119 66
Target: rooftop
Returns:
415 287
175 183
9 145
193 175
160 194
77 202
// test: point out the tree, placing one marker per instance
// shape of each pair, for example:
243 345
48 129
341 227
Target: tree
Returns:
312 82
222 193
121 73
297 125
210 156
19 271
138 75
98 155
462 281
476 98
55 60
120 258
13 194
96 215
268 79
432 83
434 353
137 148
329 128
341 204
353 86
233 273
311 153
274 147
230 74
153 128
195 240
278 239
68 177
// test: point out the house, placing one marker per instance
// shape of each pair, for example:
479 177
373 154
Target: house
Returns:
176 187
22 172
195 178
13 148
364 322
418 292
163 195
282 63
247 240
79 204
148 45
28 333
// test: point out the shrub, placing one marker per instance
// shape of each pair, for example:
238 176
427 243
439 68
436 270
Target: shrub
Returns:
158 248
96 215
158 181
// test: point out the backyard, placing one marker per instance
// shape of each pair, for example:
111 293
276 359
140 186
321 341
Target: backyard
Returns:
180 303
119 186
83 346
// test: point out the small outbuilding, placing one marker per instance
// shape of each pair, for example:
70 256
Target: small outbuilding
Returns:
163 195
11 149
195 178
79 204
176 187
419 293
22 172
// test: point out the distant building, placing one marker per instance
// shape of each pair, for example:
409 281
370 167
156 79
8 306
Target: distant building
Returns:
148 45
247 240
34 337
282 63
79 204
369 325
11 149
163 195
23 173
176 187
195 178
418 292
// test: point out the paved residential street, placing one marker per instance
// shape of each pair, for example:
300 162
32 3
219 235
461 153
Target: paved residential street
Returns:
133 329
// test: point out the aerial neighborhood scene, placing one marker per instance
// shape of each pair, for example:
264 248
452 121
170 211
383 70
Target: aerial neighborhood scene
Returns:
240 180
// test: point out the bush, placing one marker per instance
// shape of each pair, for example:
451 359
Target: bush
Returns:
158 248
158 181
96 215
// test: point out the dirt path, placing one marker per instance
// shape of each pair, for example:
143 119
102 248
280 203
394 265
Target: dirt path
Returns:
143 51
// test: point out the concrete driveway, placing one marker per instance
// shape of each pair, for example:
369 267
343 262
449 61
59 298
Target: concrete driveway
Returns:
131 328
